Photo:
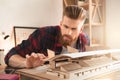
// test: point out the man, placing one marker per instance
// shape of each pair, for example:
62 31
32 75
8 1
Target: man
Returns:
32 52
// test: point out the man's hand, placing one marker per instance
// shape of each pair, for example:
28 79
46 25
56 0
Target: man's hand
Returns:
34 60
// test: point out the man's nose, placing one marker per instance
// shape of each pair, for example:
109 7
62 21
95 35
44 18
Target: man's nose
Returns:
69 31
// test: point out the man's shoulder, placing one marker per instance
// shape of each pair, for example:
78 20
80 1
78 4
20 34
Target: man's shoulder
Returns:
50 29
47 30
85 38
82 34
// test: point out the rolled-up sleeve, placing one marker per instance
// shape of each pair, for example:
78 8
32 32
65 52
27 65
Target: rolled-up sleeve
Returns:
26 47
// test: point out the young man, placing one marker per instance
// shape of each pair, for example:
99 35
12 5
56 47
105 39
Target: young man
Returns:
32 52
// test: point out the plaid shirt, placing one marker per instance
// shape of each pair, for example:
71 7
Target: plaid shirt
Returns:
42 39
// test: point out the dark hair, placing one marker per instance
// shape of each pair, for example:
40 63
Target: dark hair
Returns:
74 12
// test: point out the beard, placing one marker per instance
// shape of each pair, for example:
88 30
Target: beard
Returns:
66 40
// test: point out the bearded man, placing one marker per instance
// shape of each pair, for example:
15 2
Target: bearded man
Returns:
32 52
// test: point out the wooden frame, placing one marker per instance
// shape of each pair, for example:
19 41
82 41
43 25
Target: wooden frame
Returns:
22 33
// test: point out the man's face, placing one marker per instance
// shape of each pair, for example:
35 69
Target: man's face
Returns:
70 30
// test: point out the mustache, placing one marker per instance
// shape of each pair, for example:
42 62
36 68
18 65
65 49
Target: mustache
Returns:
63 42
68 36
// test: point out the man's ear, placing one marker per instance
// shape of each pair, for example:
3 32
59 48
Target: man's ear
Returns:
81 29
60 23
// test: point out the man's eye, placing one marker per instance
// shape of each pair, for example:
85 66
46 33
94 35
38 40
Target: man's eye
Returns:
66 27
73 28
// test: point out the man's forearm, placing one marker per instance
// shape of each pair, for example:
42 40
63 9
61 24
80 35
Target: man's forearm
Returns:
17 61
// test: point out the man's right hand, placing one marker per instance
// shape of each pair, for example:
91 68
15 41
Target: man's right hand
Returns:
34 60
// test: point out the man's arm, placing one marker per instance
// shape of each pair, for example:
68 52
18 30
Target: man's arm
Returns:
30 61
17 61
